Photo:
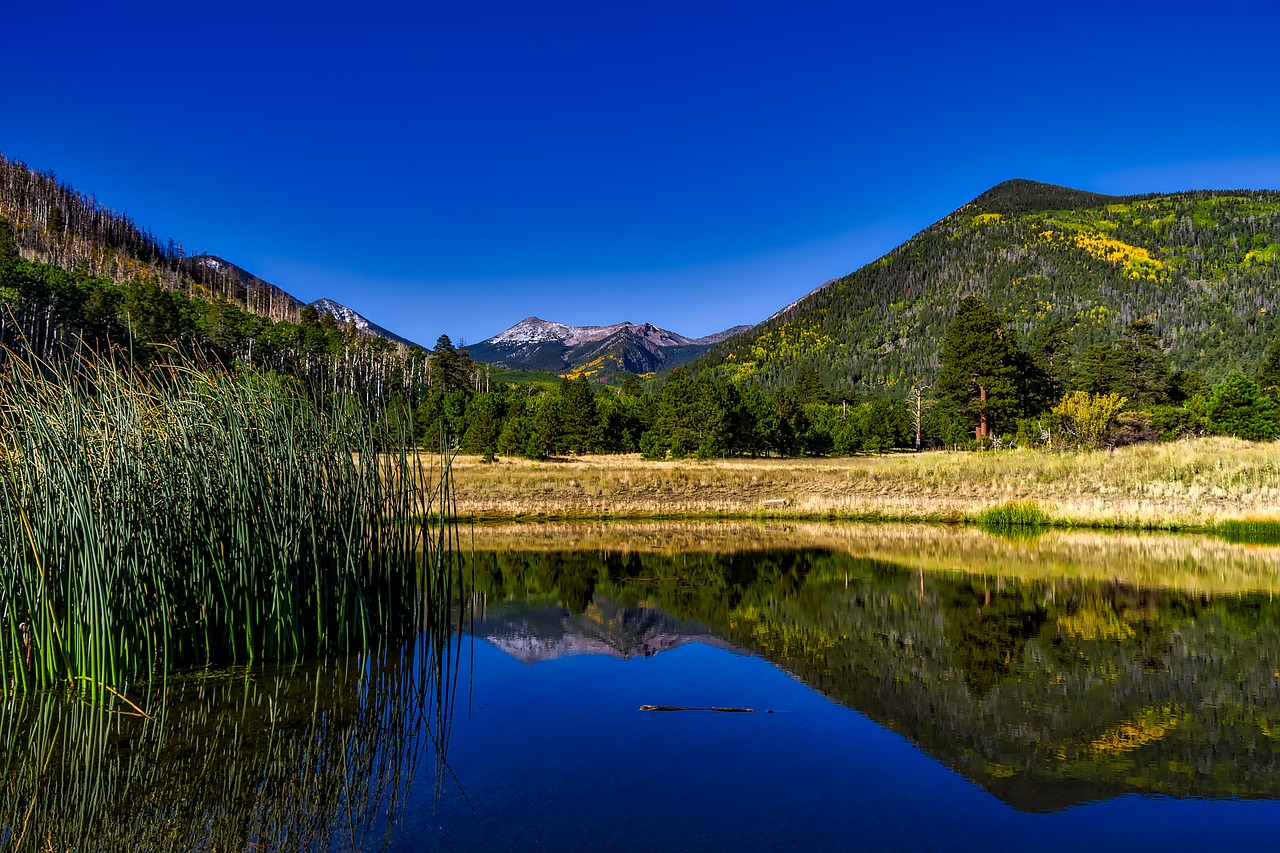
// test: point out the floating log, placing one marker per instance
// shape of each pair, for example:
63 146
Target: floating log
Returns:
683 708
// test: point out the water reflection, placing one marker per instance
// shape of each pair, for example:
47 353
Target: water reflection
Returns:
304 757
1049 672
1045 690
538 630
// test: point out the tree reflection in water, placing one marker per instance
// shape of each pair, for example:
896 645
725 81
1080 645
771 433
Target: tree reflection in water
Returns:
1047 691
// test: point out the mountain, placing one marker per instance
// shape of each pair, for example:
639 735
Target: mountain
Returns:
345 315
592 351
221 278
53 223
1203 266
532 632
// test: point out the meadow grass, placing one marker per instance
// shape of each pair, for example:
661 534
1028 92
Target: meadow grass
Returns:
1184 485
178 516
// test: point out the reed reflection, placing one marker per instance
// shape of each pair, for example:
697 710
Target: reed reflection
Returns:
319 755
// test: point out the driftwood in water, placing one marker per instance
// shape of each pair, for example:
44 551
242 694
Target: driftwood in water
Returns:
683 708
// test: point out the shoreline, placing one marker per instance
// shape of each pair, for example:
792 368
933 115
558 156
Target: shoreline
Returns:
1185 486
1190 562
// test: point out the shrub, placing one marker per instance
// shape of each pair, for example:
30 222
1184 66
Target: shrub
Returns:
1087 417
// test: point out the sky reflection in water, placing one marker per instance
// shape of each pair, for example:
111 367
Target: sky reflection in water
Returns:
1064 703
555 753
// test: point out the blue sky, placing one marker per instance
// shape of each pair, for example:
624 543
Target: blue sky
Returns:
455 167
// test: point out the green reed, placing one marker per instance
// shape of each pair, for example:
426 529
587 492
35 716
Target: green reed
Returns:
183 515
1261 531
1013 514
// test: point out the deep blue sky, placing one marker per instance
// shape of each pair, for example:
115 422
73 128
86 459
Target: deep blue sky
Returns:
455 167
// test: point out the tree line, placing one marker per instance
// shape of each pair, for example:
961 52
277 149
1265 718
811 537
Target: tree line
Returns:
993 387
992 390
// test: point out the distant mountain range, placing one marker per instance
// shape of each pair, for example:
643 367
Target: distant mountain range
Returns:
592 351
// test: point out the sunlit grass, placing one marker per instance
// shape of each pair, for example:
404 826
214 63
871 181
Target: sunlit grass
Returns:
1178 485
1259 530
1013 514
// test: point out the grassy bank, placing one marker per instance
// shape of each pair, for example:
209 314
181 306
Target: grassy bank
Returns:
1193 484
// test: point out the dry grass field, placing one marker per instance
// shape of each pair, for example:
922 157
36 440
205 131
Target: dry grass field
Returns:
1178 485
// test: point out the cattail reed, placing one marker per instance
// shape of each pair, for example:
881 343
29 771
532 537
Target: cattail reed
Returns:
182 515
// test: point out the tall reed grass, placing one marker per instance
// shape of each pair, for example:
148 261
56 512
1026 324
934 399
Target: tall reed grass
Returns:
181 515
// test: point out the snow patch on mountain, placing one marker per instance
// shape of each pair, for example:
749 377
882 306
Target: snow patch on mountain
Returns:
345 315
533 330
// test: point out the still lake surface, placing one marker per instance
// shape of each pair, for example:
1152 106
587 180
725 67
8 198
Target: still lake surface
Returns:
908 688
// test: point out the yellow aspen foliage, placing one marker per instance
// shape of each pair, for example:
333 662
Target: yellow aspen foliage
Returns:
1087 417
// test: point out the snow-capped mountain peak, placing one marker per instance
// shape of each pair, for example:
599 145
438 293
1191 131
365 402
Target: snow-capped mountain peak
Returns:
533 330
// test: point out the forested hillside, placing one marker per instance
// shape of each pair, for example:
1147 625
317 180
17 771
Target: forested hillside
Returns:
1202 267
53 223
75 273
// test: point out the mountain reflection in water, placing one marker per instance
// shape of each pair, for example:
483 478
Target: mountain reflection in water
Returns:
1045 691
933 689
533 631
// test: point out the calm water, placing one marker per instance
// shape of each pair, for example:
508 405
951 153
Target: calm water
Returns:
987 694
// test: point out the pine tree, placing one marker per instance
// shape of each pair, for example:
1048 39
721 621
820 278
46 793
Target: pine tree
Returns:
579 416
1238 407
978 377
1269 372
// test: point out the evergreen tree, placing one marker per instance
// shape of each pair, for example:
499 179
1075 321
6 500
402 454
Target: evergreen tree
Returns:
1140 356
579 416
483 424
1268 377
677 417
1238 407
450 369
978 377
809 387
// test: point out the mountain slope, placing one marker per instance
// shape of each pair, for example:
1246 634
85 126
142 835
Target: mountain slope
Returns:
220 278
593 351
345 315
1203 266
53 223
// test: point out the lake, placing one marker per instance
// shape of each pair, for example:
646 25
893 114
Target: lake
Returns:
879 687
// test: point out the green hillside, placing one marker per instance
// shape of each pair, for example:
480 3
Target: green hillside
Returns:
1203 267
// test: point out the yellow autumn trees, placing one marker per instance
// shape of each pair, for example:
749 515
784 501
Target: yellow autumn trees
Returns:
1087 417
